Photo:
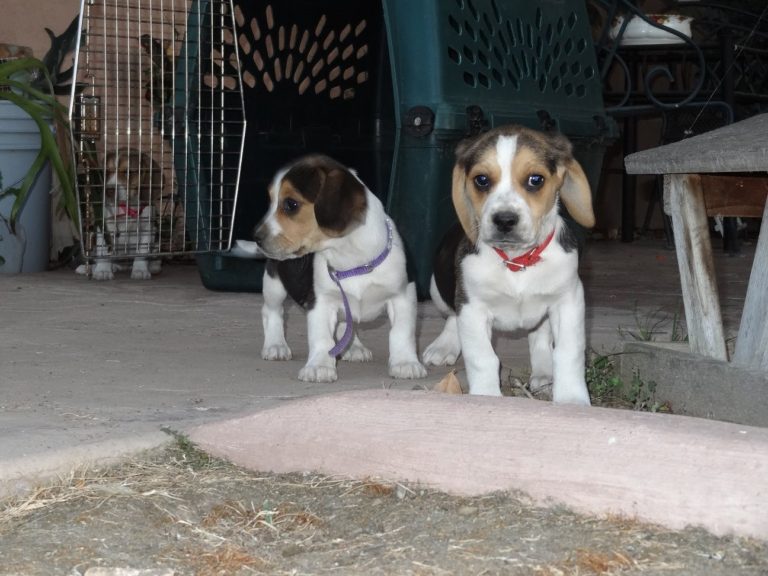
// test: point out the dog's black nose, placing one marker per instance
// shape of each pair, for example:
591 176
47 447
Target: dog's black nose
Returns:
505 221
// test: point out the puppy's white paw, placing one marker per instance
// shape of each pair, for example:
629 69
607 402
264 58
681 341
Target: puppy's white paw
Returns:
446 348
318 374
140 274
484 386
103 272
276 352
437 354
155 266
541 387
357 353
573 394
484 391
407 370
140 270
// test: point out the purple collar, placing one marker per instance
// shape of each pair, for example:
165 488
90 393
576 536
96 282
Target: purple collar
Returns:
338 275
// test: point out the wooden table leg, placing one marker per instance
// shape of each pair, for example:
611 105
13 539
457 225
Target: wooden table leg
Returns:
685 201
752 343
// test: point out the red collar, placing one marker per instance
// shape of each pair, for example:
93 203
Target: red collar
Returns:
125 210
530 258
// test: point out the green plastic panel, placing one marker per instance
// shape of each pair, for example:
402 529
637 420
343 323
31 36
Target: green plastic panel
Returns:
512 59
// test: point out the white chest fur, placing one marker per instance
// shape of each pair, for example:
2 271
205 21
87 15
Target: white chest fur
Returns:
518 299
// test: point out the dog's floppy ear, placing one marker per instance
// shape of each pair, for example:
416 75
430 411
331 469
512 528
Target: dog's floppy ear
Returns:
341 200
576 194
462 202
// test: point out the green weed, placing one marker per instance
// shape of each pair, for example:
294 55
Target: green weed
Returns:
607 388
651 325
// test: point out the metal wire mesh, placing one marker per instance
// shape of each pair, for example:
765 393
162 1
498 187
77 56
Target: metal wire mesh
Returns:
158 124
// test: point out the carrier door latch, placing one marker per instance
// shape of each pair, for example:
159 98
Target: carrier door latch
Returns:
476 120
419 121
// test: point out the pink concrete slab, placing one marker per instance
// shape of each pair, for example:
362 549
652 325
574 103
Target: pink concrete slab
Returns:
672 470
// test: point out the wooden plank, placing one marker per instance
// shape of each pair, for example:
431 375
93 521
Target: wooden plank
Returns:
741 195
738 147
752 342
696 265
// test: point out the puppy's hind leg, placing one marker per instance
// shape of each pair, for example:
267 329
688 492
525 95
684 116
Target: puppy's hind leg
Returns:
356 351
445 349
540 347
275 347
403 360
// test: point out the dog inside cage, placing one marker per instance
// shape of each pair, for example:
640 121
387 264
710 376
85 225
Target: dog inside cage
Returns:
157 123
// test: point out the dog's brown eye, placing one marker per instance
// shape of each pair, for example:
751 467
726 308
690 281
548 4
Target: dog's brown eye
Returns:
482 182
290 205
534 182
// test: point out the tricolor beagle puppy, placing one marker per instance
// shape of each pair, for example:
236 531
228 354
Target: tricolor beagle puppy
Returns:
513 262
133 185
333 249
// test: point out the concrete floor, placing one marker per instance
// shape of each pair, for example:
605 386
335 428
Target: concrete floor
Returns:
92 370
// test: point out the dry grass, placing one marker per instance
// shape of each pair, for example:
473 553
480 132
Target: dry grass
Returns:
227 559
205 517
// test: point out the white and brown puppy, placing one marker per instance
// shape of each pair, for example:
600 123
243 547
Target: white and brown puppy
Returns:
333 249
512 264
133 184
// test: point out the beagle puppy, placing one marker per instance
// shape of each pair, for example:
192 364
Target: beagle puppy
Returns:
334 251
133 185
512 263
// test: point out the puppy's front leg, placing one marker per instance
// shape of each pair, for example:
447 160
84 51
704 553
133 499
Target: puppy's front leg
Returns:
275 347
475 327
567 320
403 360
321 324
103 265
140 268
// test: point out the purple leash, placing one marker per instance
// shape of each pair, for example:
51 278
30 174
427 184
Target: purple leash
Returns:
338 275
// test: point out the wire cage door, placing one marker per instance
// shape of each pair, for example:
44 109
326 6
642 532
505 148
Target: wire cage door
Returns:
158 125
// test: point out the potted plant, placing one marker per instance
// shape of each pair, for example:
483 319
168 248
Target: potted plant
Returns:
27 98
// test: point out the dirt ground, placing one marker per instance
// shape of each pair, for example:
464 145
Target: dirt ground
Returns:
179 512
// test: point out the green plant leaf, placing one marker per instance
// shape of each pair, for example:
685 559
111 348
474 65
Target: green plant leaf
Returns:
34 97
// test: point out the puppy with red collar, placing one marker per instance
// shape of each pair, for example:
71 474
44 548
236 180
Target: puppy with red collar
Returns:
335 252
513 262
133 184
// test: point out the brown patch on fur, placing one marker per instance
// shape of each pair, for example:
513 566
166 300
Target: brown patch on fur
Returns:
338 196
468 196
136 172
300 232
525 163
462 203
